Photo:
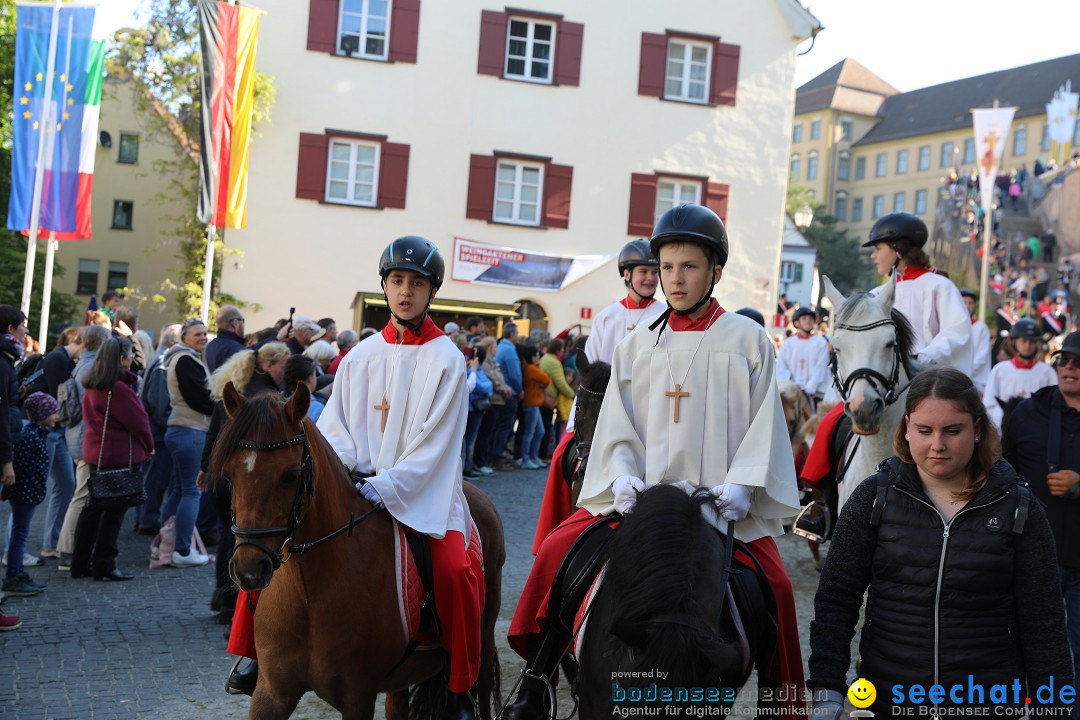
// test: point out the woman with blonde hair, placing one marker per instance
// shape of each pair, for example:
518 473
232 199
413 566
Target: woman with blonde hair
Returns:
959 564
322 353
252 373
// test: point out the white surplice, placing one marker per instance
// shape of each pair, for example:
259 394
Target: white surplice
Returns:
731 427
805 361
417 460
615 322
1007 381
934 307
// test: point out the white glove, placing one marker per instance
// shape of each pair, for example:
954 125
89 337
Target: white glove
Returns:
626 489
732 501
369 493
829 707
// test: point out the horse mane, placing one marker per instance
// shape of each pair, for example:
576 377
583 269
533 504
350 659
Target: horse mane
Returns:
905 334
257 419
660 564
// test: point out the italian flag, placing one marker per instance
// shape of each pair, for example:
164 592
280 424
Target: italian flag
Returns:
88 144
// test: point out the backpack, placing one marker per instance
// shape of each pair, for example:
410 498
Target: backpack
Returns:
31 377
155 396
67 395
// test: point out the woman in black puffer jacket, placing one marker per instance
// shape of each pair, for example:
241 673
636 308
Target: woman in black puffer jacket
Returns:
959 564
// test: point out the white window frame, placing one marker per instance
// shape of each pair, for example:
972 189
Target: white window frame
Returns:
948 150
924 158
684 79
812 165
516 203
530 46
856 209
843 165
682 191
840 202
794 165
351 181
815 129
363 35
899 201
877 207
1019 144
969 144
796 133
787 271
901 162
881 165
920 201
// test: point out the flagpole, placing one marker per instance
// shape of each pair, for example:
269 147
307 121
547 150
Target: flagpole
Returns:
209 273
46 296
984 281
39 171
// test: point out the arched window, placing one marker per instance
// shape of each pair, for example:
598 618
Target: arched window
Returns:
795 165
843 165
811 165
840 206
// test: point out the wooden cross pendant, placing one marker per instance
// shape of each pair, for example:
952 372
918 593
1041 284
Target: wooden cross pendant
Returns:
678 394
384 407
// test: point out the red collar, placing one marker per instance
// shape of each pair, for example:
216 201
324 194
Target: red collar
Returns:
913 272
1021 364
681 323
428 332
628 303
974 320
799 334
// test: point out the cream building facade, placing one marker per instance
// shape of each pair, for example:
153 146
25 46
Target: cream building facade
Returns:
901 147
529 138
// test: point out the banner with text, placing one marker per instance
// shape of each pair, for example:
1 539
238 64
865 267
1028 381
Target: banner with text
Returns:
479 262
991 132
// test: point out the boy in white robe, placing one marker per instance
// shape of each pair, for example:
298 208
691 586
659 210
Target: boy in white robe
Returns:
718 424
804 357
1020 376
637 268
397 418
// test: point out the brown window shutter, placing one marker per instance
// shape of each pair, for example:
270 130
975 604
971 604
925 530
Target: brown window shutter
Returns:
492 43
311 167
642 204
568 53
322 25
404 28
716 197
557 182
481 201
653 65
393 175
725 74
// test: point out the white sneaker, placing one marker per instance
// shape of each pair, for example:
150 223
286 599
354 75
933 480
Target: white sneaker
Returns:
192 559
28 560
485 470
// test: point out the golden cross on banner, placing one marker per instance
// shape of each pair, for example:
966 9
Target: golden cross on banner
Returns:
383 407
988 159
678 394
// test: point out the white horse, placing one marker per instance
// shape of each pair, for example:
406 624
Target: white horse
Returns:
872 366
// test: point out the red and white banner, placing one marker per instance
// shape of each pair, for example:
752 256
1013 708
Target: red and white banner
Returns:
991 133
478 262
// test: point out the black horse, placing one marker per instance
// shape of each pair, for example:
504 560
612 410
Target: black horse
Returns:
670 625
590 396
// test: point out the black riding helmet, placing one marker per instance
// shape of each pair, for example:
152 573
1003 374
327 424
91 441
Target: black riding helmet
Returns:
634 253
802 312
752 314
419 255
898 226
1025 328
968 292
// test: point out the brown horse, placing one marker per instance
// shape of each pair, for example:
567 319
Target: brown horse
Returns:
327 620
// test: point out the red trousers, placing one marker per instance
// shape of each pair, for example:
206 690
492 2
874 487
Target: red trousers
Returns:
530 616
459 597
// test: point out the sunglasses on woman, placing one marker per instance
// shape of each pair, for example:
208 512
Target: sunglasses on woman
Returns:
1067 361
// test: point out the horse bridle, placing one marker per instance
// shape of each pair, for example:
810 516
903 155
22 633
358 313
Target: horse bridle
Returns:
305 486
885 386
580 449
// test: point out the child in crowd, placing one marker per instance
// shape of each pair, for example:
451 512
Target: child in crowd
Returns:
31 460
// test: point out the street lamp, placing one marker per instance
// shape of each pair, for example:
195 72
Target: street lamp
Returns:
804 216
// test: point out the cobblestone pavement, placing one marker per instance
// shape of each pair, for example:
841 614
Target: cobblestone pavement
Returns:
150 648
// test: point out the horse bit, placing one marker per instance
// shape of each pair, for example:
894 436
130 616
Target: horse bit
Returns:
305 485
885 386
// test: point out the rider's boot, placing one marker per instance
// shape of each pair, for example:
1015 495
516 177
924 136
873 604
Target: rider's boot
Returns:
242 682
460 706
533 701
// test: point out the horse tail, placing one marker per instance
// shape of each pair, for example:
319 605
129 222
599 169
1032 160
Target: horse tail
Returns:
428 699
664 568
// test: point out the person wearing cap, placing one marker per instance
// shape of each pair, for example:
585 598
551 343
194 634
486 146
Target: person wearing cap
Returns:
804 357
981 345
638 270
930 302
697 371
396 419
450 328
1040 442
1021 376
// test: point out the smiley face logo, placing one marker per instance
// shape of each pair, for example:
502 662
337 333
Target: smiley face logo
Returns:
862 693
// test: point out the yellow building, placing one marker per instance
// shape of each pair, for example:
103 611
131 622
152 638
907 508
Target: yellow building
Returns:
865 149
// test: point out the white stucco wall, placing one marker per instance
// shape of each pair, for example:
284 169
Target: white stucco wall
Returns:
317 256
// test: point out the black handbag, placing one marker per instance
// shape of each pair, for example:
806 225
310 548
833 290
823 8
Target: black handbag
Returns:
115 488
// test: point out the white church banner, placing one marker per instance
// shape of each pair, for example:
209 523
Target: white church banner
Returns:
991 133
479 262
1061 113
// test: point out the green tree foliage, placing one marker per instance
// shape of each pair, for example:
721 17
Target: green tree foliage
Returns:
839 256
13 245
163 60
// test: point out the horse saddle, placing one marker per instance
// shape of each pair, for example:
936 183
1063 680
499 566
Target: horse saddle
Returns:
415 582
577 572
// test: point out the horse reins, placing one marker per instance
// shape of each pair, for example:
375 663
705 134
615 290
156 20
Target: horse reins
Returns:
886 386
305 485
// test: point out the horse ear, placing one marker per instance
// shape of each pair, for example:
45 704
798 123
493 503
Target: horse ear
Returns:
581 362
835 296
297 407
888 292
232 400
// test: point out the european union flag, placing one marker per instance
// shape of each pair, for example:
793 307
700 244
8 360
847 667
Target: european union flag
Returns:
62 127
